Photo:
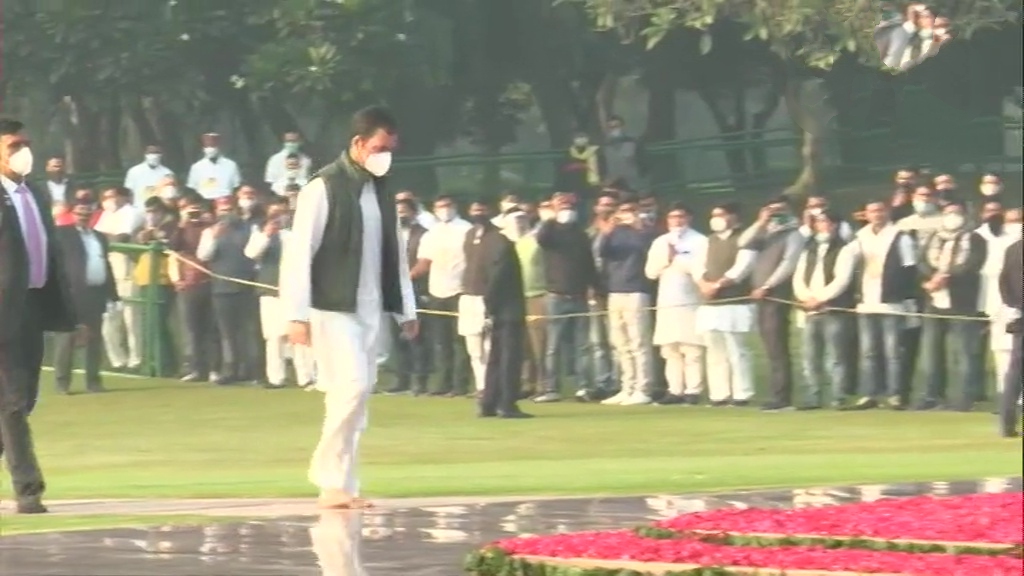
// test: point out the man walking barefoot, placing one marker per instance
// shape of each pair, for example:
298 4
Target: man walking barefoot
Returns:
344 269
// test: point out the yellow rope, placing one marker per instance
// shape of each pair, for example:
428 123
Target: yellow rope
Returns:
531 318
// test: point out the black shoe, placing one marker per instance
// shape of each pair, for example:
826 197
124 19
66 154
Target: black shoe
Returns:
865 403
270 386
95 389
721 403
776 407
31 507
486 413
740 403
808 407
224 381
927 405
514 414
396 390
691 399
670 400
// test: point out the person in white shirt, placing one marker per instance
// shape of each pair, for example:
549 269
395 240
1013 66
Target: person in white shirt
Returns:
423 216
57 182
265 247
887 257
815 207
215 175
509 203
279 166
823 285
722 271
670 262
442 255
144 178
293 176
122 325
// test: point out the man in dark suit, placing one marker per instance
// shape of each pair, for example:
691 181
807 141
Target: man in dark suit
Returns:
494 276
93 291
33 298
411 354
1011 288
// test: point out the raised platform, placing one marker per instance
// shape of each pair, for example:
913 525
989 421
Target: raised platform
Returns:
399 541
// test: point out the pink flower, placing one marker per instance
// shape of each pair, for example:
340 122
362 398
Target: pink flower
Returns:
989 518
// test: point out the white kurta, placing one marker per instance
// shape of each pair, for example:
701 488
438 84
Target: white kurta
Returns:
670 262
737 318
344 344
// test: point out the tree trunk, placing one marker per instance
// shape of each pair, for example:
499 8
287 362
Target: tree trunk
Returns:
769 104
108 138
808 182
605 98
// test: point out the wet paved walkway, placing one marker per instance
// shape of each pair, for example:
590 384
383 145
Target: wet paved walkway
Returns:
427 537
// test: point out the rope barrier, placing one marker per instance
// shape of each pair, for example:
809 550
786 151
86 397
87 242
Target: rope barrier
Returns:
594 313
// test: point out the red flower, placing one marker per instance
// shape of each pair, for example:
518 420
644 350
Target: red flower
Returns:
990 518
625 545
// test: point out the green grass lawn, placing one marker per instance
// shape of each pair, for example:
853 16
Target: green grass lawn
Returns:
163 439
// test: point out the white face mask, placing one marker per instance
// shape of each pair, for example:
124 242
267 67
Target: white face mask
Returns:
378 163
676 230
21 162
565 216
169 193
110 205
718 224
990 189
546 214
210 152
822 237
445 214
153 159
506 206
246 203
627 219
953 221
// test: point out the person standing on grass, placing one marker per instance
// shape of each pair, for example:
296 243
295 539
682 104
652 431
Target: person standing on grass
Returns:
342 271
34 297
1012 291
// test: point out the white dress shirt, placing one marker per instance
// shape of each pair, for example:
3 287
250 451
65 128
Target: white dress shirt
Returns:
58 191
24 217
143 179
738 317
214 179
305 238
125 220
276 171
95 265
444 246
818 288
670 262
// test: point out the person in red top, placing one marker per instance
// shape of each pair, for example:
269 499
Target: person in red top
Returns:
63 216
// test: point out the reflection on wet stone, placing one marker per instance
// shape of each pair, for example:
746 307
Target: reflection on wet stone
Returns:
398 542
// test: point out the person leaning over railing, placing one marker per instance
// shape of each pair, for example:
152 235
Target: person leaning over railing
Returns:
155 285
194 297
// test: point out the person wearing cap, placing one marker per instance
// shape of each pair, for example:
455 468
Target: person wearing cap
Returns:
222 250
93 293
343 273
950 266
214 175
823 286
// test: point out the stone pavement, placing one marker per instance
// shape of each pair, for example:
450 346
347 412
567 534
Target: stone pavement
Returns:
246 507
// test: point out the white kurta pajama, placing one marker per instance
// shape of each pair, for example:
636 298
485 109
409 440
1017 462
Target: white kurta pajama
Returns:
344 344
991 302
725 329
472 325
670 262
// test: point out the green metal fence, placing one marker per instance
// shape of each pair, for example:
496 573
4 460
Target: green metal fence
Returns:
149 303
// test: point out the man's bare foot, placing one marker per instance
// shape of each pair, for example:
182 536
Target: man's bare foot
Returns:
342 501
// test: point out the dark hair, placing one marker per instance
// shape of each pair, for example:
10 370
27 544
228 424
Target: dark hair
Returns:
728 207
443 198
680 206
369 120
884 203
191 196
410 204
627 198
292 156
10 127
614 195
832 216
154 203
956 202
481 201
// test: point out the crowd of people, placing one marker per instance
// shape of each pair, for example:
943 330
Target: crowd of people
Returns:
906 38
627 302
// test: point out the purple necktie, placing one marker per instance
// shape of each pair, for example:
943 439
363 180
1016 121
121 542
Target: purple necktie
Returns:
33 233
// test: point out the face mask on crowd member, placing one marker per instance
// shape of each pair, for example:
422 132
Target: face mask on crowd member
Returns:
565 216
292 143
509 203
991 185
826 226
153 156
445 209
924 202
406 210
953 218
723 218
545 211
211 145
246 199
224 209
677 220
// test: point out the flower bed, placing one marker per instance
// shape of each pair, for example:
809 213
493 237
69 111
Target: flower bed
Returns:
978 518
957 536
